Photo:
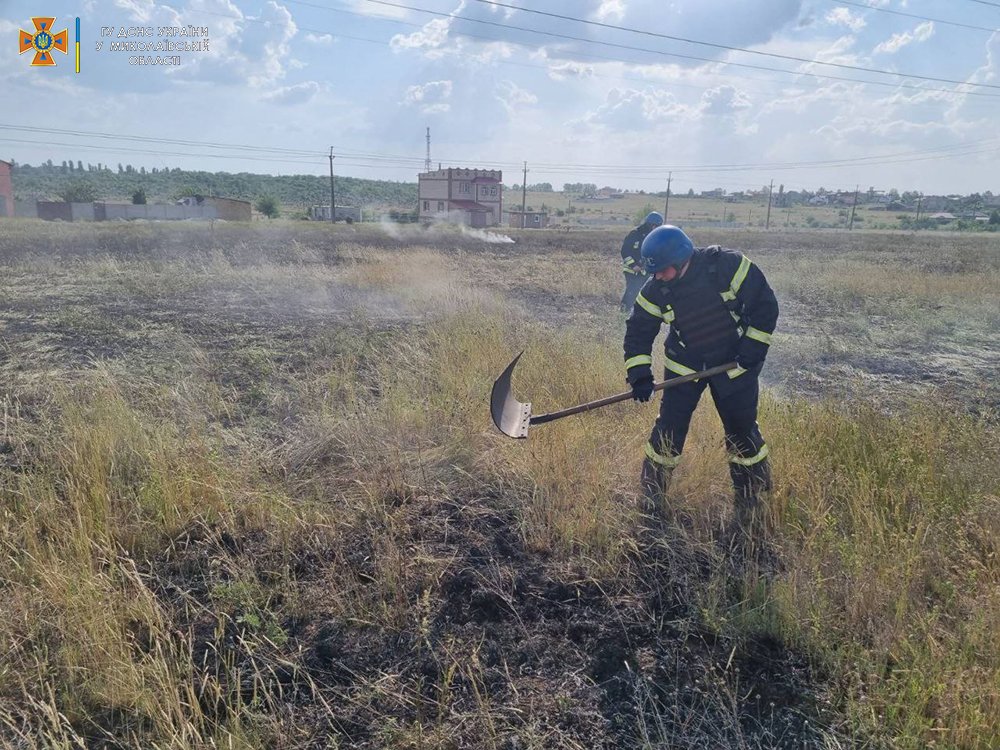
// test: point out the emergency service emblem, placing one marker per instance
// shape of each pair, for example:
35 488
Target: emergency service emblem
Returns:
43 41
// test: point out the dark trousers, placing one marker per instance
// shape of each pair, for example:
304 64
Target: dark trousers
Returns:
633 285
737 407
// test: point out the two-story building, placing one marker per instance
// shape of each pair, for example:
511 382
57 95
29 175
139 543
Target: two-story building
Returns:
473 197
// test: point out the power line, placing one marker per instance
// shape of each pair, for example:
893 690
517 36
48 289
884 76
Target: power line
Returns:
200 144
403 161
727 47
695 57
372 159
383 43
984 2
913 15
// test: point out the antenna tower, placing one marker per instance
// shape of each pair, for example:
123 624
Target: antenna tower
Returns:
427 161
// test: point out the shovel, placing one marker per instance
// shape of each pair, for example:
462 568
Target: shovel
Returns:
512 417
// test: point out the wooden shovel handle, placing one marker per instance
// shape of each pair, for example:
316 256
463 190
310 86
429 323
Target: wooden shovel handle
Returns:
551 416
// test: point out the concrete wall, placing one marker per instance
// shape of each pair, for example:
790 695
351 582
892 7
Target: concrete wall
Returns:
154 212
81 211
26 209
53 210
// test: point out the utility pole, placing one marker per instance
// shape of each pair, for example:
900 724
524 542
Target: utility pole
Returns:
770 192
666 203
333 205
851 226
524 192
920 199
427 161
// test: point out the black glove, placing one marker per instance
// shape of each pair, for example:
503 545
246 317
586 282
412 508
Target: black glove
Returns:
642 390
750 353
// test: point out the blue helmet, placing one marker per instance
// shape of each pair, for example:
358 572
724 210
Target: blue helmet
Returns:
653 218
664 247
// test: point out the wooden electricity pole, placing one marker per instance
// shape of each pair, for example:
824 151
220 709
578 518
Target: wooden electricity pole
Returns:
770 192
524 192
856 189
333 204
666 203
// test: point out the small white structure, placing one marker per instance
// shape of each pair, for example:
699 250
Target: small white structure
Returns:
473 197
344 213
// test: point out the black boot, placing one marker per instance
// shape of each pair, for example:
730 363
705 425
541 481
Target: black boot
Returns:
655 483
749 532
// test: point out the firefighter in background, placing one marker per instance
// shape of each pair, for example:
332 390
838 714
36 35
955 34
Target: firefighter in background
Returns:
720 308
635 274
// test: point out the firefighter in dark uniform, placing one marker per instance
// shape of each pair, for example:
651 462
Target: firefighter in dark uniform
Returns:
720 309
635 274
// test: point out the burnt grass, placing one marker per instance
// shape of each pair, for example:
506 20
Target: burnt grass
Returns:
504 646
543 649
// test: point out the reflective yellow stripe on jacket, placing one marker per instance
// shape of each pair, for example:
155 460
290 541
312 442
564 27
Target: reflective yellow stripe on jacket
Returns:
757 335
639 359
666 313
737 281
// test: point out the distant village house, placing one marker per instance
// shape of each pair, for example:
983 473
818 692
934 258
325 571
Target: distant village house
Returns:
527 220
472 197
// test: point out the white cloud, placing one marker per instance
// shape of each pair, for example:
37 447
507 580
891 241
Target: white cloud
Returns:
379 11
562 71
300 93
610 9
430 97
512 96
254 50
896 42
843 17
723 101
630 109
323 39
140 10
432 34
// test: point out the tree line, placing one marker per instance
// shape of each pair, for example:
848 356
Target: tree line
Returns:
76 181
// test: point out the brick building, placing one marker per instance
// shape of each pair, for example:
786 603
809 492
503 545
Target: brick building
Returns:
6 189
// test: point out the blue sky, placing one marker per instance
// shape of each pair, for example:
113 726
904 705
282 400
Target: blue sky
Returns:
580 102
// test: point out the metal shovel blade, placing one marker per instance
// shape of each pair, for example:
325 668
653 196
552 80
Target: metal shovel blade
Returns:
509 415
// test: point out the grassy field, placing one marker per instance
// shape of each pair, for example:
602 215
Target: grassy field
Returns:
250 496
573 212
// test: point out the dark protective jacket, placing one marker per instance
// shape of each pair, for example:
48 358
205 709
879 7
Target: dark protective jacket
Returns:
720 309
632 248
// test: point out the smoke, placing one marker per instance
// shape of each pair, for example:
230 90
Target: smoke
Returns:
479 234
391 228
439 229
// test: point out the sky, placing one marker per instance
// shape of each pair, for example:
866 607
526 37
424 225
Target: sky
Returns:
887 94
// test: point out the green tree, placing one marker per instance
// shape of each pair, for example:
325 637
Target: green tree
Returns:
78 191
994 218
268 206
139 197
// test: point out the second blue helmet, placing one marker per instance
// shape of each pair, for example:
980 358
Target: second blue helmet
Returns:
654 218
664 247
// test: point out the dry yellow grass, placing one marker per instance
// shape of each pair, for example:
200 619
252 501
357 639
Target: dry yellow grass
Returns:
165 524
